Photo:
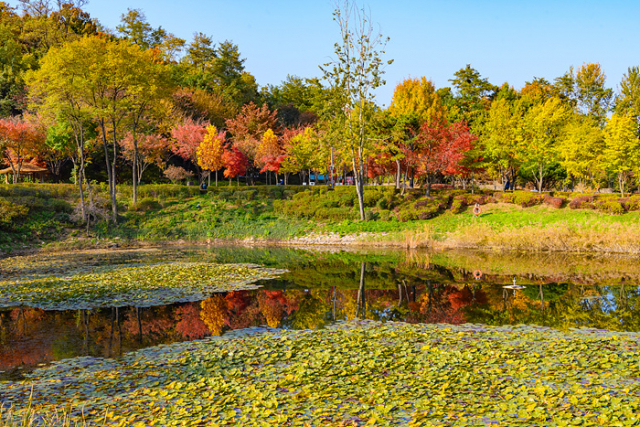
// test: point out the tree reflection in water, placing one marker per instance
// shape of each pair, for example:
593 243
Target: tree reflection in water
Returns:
318 290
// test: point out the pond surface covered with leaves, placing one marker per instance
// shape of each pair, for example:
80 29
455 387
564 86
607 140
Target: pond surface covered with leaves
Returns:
105 303
577 342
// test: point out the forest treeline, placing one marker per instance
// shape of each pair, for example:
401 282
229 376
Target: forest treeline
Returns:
74 92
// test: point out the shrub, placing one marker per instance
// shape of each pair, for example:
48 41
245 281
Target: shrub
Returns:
381 203
225 195
556 202
369 215
145 205
459 204
527 199
610 206
10 212
582 202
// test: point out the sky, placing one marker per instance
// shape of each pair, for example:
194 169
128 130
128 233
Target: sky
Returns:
505 40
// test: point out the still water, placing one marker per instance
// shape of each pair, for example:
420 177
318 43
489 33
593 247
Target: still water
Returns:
320 286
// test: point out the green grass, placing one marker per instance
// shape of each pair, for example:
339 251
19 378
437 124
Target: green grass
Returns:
204 217
504 216
279 213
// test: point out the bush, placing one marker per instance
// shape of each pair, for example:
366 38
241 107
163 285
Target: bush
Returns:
556 202
10 212
610 207
225 195
459 204
145 205
582 202
381 203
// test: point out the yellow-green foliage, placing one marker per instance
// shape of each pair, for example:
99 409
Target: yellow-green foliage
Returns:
10 212
339 204
393 373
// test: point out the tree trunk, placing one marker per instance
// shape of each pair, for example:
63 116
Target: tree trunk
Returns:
540 181
114 204
135 167
358 174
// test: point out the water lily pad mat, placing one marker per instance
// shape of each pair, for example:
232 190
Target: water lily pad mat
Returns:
356 374
132 285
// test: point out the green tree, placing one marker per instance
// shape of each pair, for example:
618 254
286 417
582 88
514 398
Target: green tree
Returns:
201 52
585 90
628 101
355 73
473 94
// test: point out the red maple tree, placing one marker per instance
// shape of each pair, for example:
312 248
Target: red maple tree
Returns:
441 149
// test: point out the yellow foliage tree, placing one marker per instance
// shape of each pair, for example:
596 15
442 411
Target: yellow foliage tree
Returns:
418 98
211 149
622 148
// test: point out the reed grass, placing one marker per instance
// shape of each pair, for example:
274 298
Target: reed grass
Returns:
418 238
562 236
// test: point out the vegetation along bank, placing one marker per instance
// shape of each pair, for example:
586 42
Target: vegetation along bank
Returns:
47 216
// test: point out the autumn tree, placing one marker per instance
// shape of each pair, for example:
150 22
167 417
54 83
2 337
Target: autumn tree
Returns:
622 148
542 127
211 150
355 74
580 148
188 137
19 141
152 149
235 163
499 135
214 313
248 128
414 102
269 154
56 90
442 148
304 153
200 105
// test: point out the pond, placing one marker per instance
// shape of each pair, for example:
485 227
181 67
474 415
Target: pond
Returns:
143 298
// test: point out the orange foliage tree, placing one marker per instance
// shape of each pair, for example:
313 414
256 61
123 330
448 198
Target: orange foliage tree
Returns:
152 149
248 128
19 141
269 155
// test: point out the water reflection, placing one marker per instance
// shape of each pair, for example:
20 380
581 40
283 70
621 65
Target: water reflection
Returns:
325 288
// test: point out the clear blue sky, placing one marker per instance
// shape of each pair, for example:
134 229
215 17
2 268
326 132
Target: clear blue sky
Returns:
505 40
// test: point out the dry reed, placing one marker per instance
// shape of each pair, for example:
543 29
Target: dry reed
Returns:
414 239
605 238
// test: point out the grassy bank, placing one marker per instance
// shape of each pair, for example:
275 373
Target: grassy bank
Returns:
397 374
36 215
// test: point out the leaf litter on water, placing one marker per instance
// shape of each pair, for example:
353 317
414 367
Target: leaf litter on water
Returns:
355 373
